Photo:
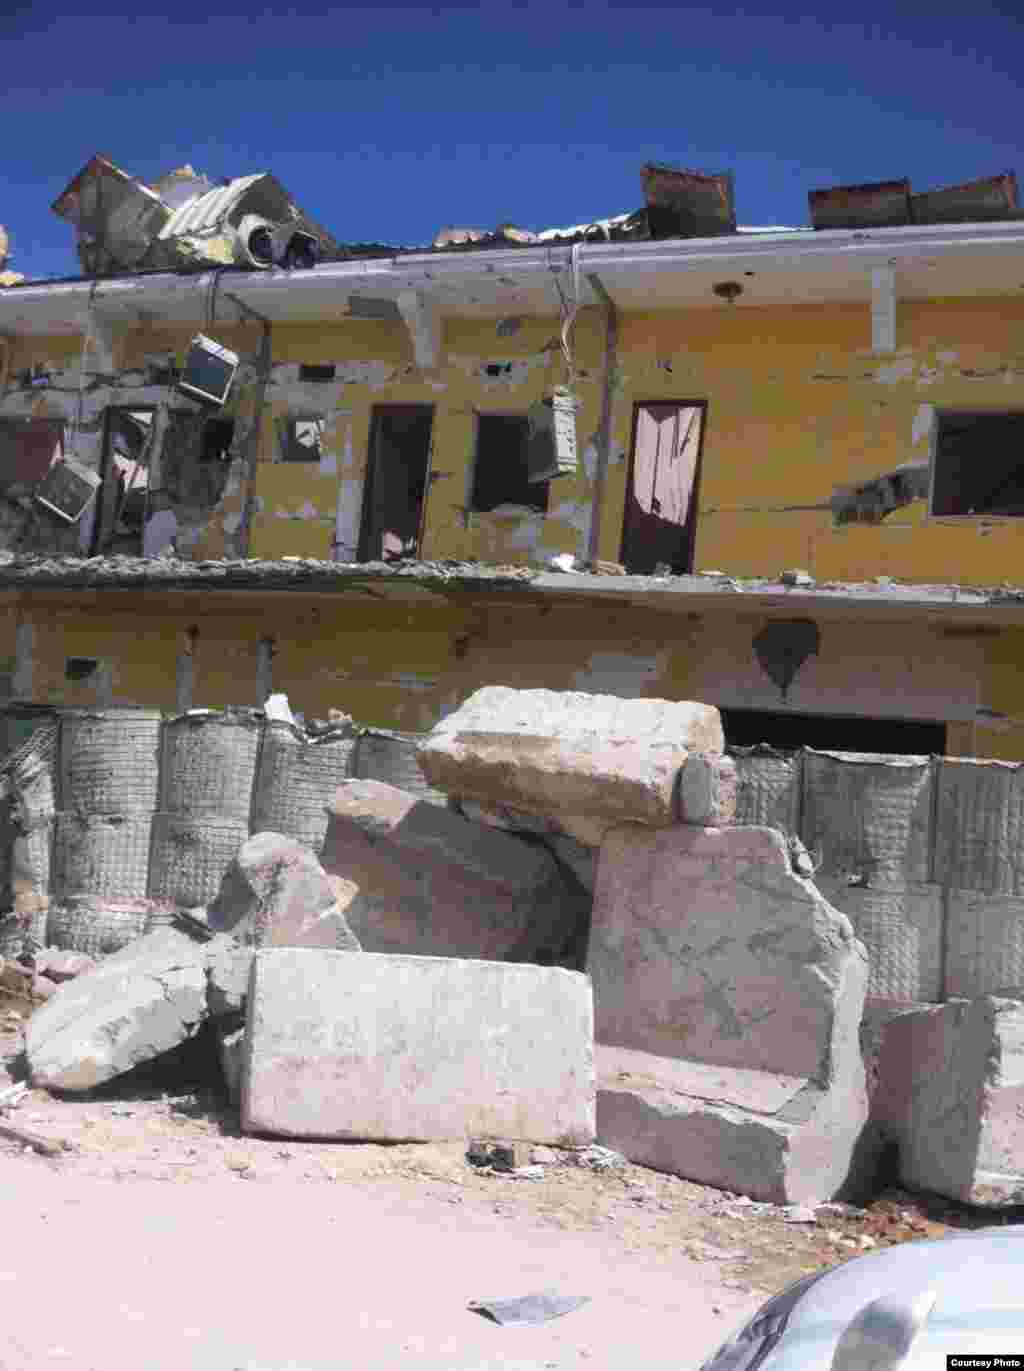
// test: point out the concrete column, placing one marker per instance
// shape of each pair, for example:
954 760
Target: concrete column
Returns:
184 681
24 654
264 670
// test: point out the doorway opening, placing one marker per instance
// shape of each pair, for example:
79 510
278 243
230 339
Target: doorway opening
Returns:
832 733
397 476
660 519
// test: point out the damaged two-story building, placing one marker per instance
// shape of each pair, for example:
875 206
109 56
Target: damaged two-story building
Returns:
777 470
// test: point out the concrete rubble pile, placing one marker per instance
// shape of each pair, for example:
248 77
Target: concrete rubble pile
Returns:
728 992
557 933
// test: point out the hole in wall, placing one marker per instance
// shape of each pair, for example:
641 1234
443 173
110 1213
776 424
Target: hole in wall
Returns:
80 668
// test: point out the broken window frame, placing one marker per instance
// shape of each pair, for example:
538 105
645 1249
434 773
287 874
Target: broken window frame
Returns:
937 479
288 443
530 495
108 514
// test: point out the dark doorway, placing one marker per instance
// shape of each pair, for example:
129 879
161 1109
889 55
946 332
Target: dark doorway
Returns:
660 520
832 733
396 482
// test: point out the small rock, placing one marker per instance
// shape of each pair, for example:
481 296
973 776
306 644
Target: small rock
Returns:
43 987
865 1242
598 1158
798 1213
545 1156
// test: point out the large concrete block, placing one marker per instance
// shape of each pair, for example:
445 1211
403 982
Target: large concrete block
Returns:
710 953
783 1139
399 1048
590 762
959 1067
140 1002
276 894
413 877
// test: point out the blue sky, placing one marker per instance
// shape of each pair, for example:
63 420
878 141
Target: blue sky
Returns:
387 123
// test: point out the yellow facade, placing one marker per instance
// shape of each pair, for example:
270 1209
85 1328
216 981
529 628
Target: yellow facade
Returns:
797 406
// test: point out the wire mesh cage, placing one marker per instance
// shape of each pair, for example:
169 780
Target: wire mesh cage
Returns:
95 925
101 854
110 760
209 763
190 856
296 781
386 755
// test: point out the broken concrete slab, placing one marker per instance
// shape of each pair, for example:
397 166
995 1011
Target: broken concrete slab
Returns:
416 878
276 894
709 952
60 966
708 789
959 1068
782 1139
397 1048
590 761
138 1003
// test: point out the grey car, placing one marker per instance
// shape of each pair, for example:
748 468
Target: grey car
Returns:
905 1308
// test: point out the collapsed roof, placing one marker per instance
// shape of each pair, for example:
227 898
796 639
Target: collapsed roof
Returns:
184 222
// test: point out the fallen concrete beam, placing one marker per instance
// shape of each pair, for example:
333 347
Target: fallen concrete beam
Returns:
590 762
393 1048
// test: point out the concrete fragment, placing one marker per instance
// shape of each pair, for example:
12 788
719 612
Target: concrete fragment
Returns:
413 877
735 991
589 761
60 966
276 894
231 1046
959 1068
42 986
581 861
228 964
142 1001
417 1049
707 790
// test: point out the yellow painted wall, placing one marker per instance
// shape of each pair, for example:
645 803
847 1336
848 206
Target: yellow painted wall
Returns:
404 667
797 405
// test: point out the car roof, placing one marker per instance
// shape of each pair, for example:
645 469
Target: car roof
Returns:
968 1272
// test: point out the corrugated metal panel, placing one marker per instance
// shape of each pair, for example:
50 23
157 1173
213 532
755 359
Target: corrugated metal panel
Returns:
767 787
869 815
902 931
979 827
986 944
205 212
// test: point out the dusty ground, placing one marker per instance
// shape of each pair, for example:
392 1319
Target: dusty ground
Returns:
172 1125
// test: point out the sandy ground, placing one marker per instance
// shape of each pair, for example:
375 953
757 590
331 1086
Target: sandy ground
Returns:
164 1238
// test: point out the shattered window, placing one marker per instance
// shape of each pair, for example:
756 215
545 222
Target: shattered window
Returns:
979 464
501 473
301 439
